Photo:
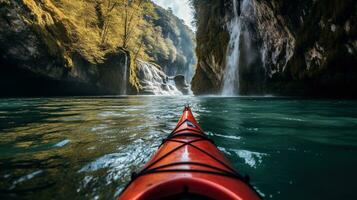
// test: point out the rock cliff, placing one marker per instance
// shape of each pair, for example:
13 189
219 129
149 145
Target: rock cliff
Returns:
181 58
36 58
77 47
301 47
212 40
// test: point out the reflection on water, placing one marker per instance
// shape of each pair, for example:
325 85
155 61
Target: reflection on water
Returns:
87 148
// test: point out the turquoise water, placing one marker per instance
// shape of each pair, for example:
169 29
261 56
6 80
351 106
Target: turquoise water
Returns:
86 148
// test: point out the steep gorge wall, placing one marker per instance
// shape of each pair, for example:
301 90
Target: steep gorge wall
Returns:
56 48
305 47
37 58
180 38
212 40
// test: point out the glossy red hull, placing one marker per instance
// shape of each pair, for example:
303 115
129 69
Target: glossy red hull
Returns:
188 164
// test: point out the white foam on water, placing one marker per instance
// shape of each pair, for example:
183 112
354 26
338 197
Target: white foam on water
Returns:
250 158
62 143
26 178
228 136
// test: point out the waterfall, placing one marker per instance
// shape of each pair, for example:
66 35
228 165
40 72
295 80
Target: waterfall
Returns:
125 77
231 74
154 81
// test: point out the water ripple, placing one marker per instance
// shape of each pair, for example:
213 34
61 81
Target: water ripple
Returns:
26 178
62 143
87 147
253 159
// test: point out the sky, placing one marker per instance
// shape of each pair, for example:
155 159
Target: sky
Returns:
180 8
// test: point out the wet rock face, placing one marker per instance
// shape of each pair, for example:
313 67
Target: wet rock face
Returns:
305 47
181 84
278 40
113 74
21 46
212 40
308 46
316 54
30 67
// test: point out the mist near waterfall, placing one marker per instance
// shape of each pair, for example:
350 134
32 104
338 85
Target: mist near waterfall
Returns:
231 76
154 81
244 69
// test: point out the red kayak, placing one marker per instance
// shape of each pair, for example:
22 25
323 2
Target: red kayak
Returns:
188 166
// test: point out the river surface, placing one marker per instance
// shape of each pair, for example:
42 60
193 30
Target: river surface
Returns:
86 148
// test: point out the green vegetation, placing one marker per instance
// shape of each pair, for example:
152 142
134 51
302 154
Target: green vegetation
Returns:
95 28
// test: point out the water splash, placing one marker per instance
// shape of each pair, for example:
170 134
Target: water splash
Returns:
231 74
253 159
155 81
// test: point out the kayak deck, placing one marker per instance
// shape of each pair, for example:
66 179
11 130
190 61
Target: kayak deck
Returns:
188 165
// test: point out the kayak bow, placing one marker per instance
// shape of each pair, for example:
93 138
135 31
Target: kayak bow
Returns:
188 165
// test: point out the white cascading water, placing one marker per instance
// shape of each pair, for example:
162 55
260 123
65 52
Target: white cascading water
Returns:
155 81
125 77
231 74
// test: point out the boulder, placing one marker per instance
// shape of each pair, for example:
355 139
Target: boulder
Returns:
181 84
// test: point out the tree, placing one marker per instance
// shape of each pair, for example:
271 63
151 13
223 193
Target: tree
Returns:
130 14
104 10
139 47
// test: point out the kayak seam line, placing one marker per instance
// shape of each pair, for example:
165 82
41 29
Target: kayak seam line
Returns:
203 151
157 169
185 121
216 159
188 129
170 152
193 171
178 126
188 134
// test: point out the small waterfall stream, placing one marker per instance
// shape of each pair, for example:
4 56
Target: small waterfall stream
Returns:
231 74
125 78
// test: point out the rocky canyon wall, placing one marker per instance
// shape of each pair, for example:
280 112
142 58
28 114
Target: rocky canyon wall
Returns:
212 41
52 48
305 47
37 58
